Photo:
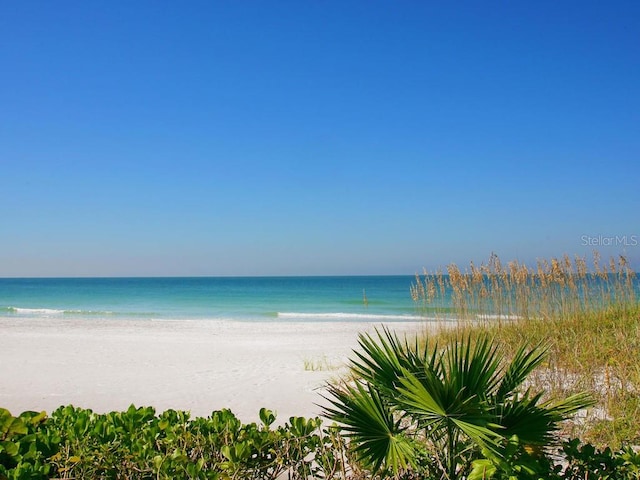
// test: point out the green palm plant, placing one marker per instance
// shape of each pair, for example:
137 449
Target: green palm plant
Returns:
453 404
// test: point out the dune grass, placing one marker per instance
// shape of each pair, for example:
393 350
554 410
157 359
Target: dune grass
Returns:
587 316
320 365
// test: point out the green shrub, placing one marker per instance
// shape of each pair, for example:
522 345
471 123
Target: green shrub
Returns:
584 461
76 443
453 404
25 446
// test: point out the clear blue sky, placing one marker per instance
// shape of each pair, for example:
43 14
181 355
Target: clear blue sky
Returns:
315 137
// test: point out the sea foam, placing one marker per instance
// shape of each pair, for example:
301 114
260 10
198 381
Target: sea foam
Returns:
35 311
347 316
39 312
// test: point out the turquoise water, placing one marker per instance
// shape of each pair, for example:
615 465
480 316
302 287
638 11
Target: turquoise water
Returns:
356 298
264 299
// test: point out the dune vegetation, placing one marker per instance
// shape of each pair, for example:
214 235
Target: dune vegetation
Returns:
586 316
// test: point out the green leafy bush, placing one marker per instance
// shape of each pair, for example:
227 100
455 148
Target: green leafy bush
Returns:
25 446
76 443
585 461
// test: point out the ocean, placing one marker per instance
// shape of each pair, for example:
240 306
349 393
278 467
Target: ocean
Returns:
251 299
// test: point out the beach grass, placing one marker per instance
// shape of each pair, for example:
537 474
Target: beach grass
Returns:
587 316
320 365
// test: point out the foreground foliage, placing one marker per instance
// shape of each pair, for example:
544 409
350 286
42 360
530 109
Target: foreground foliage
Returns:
461 407
77 443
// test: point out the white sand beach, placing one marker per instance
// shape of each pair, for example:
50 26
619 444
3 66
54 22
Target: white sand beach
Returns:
198 366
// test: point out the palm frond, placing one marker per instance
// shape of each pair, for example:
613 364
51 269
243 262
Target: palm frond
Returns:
534 423
569 406
436 403
377 437
522 364
380 360
473 366
522 416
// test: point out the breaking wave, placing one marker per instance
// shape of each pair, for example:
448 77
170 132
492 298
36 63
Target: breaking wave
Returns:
46 312
348 316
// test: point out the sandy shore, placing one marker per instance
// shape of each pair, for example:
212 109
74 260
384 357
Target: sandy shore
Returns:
199 366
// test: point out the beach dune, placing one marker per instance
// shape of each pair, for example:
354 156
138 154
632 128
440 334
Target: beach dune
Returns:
194 365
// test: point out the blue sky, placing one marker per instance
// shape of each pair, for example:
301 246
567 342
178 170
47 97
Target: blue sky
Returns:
308 137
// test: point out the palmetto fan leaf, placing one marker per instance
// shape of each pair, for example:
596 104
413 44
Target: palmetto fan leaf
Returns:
437 404
379 362
472 366
523 417
522 364
569 406
533 422
382 359
369 421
